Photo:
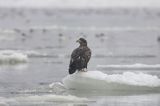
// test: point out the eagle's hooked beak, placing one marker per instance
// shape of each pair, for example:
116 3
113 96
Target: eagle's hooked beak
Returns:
78 41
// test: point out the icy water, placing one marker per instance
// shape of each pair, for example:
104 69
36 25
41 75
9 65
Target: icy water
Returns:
35 48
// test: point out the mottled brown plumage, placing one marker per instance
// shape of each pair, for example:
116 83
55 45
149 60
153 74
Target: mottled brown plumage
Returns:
80 57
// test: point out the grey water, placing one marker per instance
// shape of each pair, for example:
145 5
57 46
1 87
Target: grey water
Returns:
116 36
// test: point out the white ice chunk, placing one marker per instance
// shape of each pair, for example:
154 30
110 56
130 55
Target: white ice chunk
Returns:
98 80
12 57
51 98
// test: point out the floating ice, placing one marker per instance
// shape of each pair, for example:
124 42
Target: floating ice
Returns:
40 99
57 87
56 84
131 66
51 98
97 80
8 31
12 57
41 55
6 101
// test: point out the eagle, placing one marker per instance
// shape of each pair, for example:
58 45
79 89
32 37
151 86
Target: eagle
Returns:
80 57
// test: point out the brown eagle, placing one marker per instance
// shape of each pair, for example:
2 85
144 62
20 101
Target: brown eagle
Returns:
80 57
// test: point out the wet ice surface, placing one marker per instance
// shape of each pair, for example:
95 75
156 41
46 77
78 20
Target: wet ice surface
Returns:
35 48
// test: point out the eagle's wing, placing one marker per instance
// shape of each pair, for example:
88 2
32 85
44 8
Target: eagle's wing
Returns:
88 55
75 56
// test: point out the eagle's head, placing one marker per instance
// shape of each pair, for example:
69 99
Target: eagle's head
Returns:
82 42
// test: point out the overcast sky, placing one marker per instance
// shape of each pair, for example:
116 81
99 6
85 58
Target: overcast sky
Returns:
80 3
